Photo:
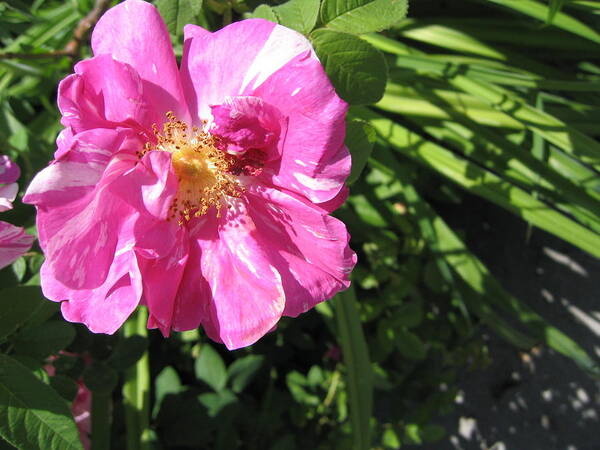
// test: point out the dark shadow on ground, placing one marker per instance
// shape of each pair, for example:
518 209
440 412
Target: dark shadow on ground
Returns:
537 400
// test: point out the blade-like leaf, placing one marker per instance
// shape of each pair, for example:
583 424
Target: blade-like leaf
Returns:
483 183
356 357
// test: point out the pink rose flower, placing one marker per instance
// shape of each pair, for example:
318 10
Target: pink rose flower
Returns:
13 240
202 192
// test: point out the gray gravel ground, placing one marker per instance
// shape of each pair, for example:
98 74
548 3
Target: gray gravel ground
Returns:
538 400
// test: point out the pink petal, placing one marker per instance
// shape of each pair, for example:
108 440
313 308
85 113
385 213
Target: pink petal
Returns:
133 32
9 171
216 64
247 296
8 193
161 280
13 243
192 304
335 202
279 66
80 238
151 185
245 123
80 168
315 162
102 309
310 248
105 93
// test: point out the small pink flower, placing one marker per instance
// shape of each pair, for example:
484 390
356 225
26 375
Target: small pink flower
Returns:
202 192
13 240
9 173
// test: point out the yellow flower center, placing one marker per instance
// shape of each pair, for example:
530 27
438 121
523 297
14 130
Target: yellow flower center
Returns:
203 171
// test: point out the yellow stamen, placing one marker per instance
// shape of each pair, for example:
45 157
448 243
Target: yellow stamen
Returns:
202 169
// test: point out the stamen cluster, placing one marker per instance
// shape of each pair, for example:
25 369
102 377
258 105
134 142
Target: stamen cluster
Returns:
203 171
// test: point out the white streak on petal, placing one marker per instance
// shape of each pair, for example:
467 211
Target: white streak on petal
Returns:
282 46
316 184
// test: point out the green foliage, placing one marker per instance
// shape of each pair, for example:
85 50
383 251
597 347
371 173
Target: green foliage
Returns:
503 104
362 16
360 139
33 414
177 13
356 357
210 368
300 15
356 69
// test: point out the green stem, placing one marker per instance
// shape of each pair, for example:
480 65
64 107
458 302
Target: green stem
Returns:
136 389
100 421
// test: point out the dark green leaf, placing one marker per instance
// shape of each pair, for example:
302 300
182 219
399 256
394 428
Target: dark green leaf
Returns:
65 386
410 345
17 306
127 352
45 339
356 68
100 378
32 414
242 370
359 373
360 138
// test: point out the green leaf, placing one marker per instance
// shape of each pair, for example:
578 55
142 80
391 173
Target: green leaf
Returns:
242 370
484 183
210 368
32 414
166 382
360 139
215 402
19 267
127 352
264 12
358 365
481 291
410 345
362 16
44 340
561 20
409 315
299 15
65 386
357 69
100 378
17 306
555 7
177 13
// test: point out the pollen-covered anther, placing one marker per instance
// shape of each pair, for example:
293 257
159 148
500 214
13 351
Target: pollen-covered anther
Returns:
203 171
